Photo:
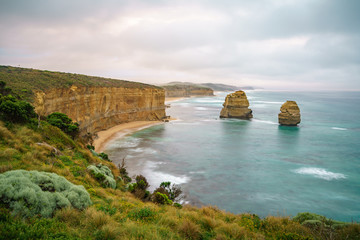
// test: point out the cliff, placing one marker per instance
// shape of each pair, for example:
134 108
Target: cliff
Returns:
290 114
178 89
95 103
236 105
99 108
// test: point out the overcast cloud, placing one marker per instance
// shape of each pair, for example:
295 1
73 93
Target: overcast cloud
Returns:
278 44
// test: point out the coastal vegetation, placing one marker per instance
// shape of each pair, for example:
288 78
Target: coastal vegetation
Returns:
79 195
25 81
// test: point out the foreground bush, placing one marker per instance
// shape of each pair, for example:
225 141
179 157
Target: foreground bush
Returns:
16 111
30 193
139 188
63 122
103 174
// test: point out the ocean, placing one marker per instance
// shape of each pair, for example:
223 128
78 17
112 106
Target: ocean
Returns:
256 165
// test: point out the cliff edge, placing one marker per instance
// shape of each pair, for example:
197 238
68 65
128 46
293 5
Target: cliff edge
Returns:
95 103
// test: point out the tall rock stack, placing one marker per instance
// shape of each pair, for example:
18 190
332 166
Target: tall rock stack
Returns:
290 114
236 106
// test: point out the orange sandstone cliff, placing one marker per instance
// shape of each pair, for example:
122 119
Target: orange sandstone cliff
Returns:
96 103
99 108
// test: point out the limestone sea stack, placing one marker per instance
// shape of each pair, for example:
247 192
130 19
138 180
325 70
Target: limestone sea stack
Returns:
290 114
236 106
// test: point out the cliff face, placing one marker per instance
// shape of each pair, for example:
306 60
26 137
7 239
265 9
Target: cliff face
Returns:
236 105
290 114
99 108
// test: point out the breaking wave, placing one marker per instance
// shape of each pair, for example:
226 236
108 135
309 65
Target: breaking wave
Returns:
338 128
320 173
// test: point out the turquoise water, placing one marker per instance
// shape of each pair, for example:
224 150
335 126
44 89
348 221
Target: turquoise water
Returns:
256 166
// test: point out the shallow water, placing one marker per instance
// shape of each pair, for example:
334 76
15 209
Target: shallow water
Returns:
256 166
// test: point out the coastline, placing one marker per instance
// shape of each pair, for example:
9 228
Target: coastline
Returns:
118 131
121 130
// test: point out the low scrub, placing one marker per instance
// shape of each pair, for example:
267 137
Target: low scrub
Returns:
30 193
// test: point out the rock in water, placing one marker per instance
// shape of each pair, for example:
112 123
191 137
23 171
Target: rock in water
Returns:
236 106
290 114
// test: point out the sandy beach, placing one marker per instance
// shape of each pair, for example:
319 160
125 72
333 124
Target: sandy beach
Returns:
124 129
120 131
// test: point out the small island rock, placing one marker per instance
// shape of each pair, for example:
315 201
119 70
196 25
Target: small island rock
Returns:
236 106
290 114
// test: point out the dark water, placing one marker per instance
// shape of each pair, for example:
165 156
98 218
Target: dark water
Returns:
257 166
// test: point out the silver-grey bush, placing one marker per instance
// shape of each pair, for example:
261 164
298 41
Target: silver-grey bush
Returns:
103 174
30 193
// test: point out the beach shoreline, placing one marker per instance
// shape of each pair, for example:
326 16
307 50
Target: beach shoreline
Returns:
119 131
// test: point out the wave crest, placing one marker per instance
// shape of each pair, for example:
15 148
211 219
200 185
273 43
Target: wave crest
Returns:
320 173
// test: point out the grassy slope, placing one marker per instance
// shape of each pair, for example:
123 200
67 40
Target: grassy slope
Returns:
116 214
23 81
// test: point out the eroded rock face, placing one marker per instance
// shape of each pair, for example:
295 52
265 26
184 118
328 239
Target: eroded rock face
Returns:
236 106
99 108
290 114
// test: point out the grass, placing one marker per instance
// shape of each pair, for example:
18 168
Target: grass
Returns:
24 81
116 214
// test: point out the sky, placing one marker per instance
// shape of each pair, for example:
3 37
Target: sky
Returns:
271 44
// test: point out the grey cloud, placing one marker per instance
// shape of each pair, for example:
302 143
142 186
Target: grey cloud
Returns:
261 42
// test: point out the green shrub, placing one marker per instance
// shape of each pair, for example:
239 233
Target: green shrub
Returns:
33 228
63 122
103 174
104 156
30 193
173 191
161 198
142 214
15 111
90 147
313 220
107 209
139 188
178 205
141 181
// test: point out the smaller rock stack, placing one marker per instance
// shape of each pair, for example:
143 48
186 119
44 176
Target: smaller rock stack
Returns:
290 114
236 106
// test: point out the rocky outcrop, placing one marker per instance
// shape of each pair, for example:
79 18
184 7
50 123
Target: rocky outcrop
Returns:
290 114
99 108
236 106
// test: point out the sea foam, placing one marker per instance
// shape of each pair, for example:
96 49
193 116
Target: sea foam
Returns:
201 108
338 128
264 121
319 173
156 177
208 101
267 102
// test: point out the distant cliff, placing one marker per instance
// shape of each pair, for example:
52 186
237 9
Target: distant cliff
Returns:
179 89
95 103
